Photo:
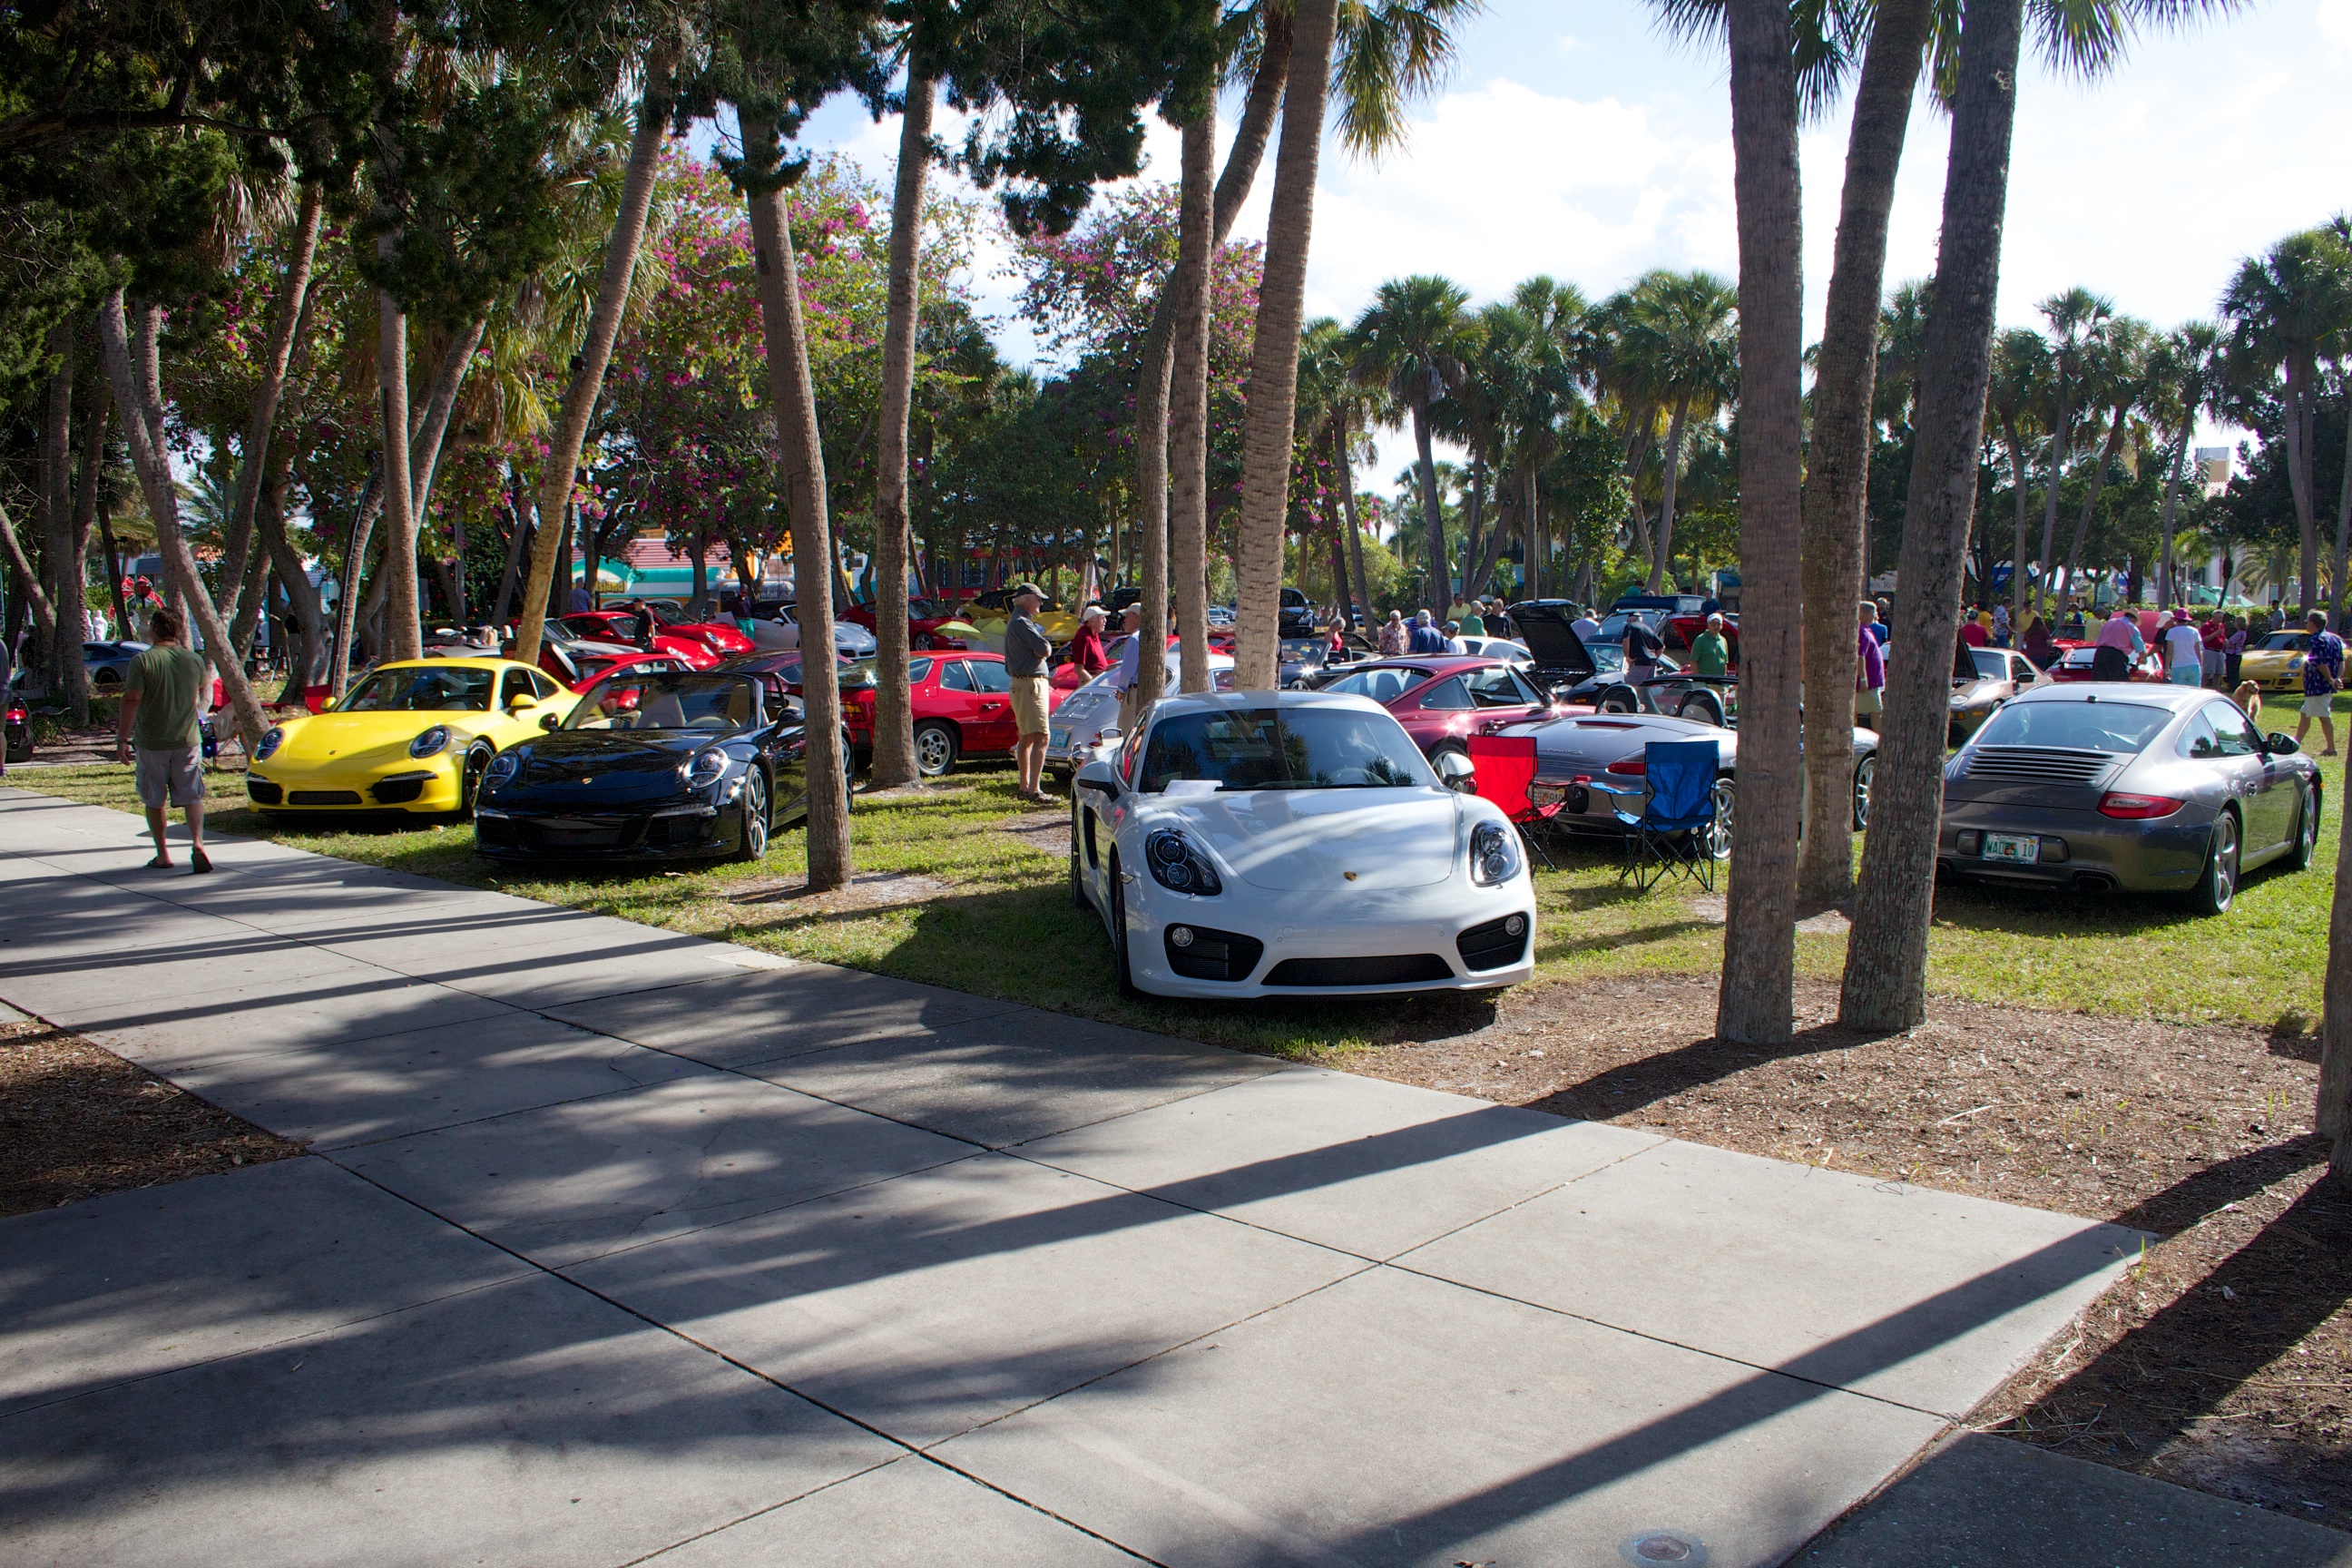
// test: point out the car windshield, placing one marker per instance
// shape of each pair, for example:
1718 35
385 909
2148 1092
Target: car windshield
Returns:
2079 725
1282 748
1385 685
1607 658
861 672
421 688
720 704
2287 642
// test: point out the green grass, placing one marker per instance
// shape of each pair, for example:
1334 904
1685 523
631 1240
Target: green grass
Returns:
992 916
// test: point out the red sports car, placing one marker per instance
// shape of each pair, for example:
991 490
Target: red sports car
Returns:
641 629
596 666
1441 699
962 702
721 637
2075 664
922 629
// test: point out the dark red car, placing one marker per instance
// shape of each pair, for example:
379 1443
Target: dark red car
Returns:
1682 631
962 702
642 629
1443 700
721 637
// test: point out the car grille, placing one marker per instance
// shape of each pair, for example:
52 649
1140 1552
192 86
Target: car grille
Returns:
263 793
1396 969
1493 944
1214 954
323 797
399 791
2038 764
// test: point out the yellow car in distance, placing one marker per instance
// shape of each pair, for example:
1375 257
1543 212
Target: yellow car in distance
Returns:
414 736
2275 663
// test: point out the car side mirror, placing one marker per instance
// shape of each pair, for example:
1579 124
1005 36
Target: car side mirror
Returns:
1101 777
2279 745
549 722
1457 772
519 701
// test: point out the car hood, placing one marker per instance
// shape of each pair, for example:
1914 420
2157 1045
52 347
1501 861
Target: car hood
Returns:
605 753
1306 840
365 740
1543 624
1972 693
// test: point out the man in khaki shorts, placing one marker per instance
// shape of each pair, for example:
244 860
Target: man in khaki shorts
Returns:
158 719
1026 648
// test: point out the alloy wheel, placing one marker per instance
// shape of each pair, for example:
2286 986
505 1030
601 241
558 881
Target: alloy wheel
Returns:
1718 833
1863 773
755 817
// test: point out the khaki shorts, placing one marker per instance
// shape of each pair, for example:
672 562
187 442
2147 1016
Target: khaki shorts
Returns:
173 778
1866 700
2320 706
1029 704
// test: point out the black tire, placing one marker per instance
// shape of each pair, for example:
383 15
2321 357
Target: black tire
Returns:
2307 829
936 748
1700 709
469 782
2217 885
751 842
105 680
1864 772
1127 987
1077 871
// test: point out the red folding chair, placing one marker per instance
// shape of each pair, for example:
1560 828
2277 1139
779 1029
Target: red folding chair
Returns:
1504 766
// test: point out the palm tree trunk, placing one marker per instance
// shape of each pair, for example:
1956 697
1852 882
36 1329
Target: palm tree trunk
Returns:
894 714
140 422
68 679
2300 374
37 598
1637 458
2343 531
347 604
1432 512
1886 954
1474 521
429 429
571 431
286 312
1662 559
517 541
1345 459
2108 449
1196 246
1268 426
1757 1001
793 398
2010 439
2059 446
2168 580
1837 474
1532 564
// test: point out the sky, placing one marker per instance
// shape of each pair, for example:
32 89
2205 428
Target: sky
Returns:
1578 142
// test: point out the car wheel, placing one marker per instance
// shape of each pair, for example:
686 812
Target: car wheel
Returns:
1620 699
2216 890
1078 871
935 748
1725 796
1864 771
1127 986
1443 747
2306 830
470 781
1700 709
106 680
752 843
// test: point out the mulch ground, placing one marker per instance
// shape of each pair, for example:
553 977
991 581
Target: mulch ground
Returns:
2222 1360
76 1121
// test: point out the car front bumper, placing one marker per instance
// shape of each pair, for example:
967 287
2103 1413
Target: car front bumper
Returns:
433 785
2079 848
687 831
1303 930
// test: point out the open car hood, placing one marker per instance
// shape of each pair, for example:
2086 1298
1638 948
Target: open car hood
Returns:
1544 625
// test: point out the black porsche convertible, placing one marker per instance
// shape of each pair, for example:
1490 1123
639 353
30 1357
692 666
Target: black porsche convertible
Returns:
680 764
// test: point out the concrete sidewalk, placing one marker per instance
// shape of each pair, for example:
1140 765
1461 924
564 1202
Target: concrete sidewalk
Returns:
614 1244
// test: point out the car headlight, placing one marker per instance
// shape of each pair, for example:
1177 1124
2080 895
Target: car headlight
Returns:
1494 853
431 744
2295 664
269 744
503 767
1180 867
706 769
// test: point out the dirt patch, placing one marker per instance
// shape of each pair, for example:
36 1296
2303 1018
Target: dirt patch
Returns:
2223 1361
1047 832
76 1121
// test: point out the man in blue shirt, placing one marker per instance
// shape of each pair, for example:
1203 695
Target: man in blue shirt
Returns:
2323 678
1426 637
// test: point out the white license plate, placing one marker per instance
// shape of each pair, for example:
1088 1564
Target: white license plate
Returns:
2012 847
1546 795
1060 737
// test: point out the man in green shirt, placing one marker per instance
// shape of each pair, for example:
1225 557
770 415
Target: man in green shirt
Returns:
1709 653
1473 624
158 720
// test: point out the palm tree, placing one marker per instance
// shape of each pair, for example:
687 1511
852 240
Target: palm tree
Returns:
2117 370
2077 319
2287 309
1677 338
1267 427
893 715
2182 369
1885 987
1410 340
2021 365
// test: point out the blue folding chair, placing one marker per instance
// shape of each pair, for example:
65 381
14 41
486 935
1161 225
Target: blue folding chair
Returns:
1674 833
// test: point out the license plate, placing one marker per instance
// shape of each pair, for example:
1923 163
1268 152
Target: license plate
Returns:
1060 737
2012 847
1546 795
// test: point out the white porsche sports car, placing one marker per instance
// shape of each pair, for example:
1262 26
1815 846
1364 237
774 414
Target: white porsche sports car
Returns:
1275 844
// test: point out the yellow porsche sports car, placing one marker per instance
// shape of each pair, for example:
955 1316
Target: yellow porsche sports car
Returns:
993 610
411 736
2275 663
